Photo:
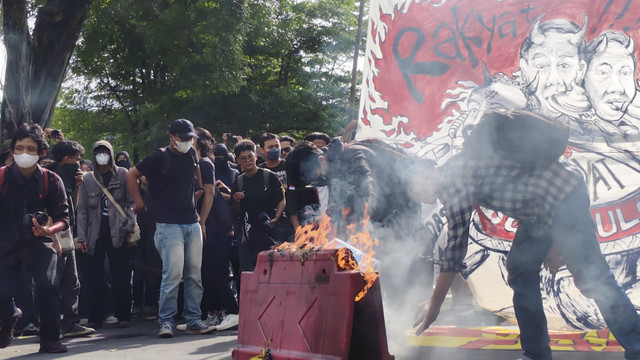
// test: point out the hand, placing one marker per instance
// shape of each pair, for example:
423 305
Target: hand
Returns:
83 247
238 196
423 317
426 317
78 179
39 230
273 222
554 260
139 207
57 247
222 187
203 227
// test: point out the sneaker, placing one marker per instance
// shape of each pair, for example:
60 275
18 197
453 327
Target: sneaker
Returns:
6 333
29 330
110 320
149 313
136 312
84 321
213 320
229 321
124 324
52 347
165 330
77 330
181 327
199 327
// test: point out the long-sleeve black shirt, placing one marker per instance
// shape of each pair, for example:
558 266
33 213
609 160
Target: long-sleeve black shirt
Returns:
20 196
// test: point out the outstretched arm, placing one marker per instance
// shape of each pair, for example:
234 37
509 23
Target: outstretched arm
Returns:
427 316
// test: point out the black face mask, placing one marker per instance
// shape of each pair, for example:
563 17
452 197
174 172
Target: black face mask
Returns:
70 169
221 164
124 163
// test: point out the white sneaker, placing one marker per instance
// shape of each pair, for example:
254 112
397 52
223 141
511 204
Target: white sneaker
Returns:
181 327
212 320
110 320
229 321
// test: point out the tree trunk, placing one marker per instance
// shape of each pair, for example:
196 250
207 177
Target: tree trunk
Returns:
36 63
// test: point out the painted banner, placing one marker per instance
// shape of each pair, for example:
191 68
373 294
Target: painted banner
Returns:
500 338
434 67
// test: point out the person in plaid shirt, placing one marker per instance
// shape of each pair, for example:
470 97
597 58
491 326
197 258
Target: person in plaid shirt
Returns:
551 205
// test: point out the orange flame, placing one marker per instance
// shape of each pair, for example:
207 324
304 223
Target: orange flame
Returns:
313 237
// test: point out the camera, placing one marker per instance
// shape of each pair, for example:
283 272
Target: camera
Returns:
230 136
40 217
55 134
27 223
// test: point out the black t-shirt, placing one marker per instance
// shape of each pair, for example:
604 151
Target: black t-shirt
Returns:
105 231
171 199
207 171
258 199
304 203
280 171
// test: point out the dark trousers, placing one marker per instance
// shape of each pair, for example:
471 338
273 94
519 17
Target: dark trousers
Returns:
69 289
120 272
84 302
147 270
573 232
217 295
40 260
23 297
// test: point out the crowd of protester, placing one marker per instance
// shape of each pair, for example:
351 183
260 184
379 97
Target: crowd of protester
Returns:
203 214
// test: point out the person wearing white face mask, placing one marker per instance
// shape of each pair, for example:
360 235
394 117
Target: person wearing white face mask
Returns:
33 207
102 230
173 176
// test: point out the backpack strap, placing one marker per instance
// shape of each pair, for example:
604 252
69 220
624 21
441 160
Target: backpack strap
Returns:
45 185
265 179
166 164
2 171
240 182
45 177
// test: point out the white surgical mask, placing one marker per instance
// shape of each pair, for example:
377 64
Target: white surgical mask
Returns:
25 160
102 159
183 146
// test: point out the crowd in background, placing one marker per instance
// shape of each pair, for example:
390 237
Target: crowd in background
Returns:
202 213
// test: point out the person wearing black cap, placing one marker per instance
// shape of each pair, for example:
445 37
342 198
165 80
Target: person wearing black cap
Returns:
170 173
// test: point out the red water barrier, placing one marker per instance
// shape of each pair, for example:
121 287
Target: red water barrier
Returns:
306 309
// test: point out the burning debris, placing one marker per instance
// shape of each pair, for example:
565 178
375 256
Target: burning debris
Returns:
311 238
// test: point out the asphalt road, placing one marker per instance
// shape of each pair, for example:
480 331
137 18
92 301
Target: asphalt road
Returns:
141 342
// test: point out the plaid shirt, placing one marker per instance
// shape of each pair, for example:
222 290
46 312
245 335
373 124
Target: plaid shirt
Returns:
502 186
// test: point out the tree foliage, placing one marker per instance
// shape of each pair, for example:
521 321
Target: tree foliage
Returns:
240 66
37 60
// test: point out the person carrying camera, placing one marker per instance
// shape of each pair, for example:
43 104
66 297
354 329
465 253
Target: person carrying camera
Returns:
33 207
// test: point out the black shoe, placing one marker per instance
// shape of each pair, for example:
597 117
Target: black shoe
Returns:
6 333
52 347
29 330
77 330
94 325
123 324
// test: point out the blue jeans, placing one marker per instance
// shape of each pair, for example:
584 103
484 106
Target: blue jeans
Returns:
180 247
573 232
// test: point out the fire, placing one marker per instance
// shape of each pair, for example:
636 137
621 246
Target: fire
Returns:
313 237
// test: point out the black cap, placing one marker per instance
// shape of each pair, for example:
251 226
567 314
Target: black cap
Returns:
183 128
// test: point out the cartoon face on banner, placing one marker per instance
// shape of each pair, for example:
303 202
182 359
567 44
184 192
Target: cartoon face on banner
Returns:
434 67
